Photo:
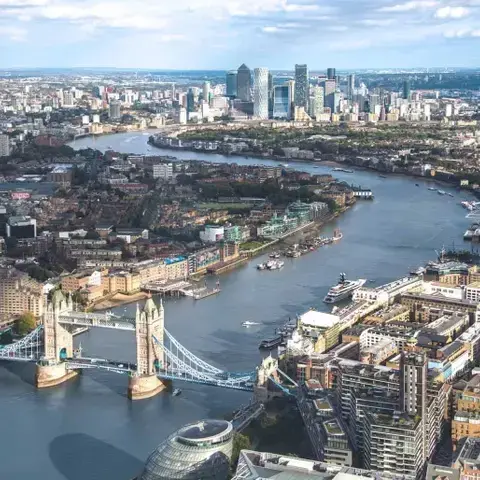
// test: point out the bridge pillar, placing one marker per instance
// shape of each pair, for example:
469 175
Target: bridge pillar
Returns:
267 369
149 323
52 374
58 341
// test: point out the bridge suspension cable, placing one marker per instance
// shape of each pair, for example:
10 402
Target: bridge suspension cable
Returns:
27 349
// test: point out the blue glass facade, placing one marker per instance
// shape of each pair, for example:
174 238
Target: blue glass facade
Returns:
281 101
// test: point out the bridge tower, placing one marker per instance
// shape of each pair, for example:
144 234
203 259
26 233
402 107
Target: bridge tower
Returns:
149 323
58 341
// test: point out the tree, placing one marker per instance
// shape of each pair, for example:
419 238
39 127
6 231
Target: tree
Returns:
240 442
26 323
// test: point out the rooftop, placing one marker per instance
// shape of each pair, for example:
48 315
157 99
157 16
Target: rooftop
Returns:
319 319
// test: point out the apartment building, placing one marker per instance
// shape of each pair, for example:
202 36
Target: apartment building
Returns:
19 294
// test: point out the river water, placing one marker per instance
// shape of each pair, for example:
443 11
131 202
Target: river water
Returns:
87 429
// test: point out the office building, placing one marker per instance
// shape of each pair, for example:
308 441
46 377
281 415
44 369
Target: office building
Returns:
406 90
331 74
182 116
163 171
350 86
206 91
190 100
4 145
19 294
244 83
260 93
199 450
282 102
301 86
317 102
21 227
231 84
114 111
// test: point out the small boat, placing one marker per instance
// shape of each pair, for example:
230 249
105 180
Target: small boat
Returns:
432 189
417 185
249 324
450 194
261 266
176 392
441 192
382 176
275 265
274 255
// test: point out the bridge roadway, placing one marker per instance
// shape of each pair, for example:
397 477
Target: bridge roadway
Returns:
233 381
101 320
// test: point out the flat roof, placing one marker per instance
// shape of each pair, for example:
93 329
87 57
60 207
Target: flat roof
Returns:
319 319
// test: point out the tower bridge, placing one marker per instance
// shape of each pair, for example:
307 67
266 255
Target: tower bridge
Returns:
159 356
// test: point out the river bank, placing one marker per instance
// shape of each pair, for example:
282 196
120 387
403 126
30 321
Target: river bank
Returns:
118 300
450 180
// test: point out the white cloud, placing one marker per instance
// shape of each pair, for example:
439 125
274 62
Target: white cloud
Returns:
270 29
461 33
377 22
410 6
452 12
15 34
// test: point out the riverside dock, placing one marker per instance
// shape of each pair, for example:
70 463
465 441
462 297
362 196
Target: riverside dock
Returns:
204 293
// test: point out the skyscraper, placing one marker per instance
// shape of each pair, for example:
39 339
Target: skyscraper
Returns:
4 145
406 89
331 74
231 81
190 100
206 91
301 86
318 102
244 83
350 86
282 101
260 93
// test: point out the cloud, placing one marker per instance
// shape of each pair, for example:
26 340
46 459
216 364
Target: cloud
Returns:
15 34
270 29
462 33
410 6
377 22
452 12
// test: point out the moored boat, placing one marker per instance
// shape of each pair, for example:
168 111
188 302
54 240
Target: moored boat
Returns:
344 289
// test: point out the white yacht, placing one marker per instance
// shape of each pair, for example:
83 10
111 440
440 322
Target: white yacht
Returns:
344 289
249 324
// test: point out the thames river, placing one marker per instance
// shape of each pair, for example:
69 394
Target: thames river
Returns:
87 429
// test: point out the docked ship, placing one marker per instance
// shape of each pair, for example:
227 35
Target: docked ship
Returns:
270 344
344 289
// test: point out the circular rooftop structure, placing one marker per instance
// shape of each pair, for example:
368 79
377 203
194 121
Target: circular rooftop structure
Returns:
198 450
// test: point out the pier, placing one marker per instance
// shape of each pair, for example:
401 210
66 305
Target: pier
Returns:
204 292
163 287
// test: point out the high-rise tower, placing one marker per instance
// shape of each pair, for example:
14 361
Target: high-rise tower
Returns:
244 83
260 93
301 86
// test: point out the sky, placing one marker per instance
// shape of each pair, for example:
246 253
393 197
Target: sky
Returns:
222 34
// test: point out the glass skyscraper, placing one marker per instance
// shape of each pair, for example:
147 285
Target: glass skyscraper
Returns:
231 81
260 93
282 101
331 74
244 83
301 86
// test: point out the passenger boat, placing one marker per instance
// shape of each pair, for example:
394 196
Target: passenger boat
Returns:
270 344
344 289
